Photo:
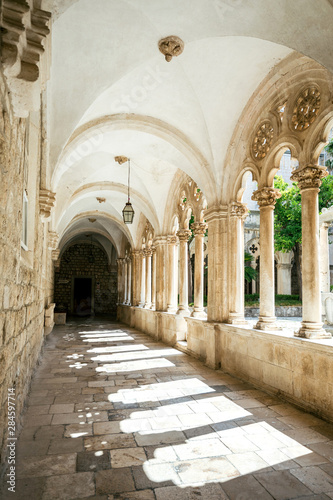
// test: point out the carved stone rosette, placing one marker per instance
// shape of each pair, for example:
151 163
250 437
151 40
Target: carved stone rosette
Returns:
306 108
266 197
171 46
309 177
239 210
262 140
53 238
24 31
183 234
46 203
199 228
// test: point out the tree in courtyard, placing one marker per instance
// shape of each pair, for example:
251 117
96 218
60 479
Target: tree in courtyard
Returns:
288 218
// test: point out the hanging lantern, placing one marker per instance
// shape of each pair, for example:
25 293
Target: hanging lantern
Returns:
128 212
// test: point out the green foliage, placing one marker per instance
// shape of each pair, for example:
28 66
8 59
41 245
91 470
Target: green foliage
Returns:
252 300
249 273
287 216
288 212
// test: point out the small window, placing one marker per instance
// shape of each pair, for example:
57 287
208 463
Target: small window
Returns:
24 239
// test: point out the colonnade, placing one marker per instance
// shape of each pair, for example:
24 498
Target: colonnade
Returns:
150 276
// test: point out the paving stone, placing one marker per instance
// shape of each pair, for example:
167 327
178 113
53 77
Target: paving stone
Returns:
38 410
127 457
144 481
314 478
33 420
245 488
33 448
69 486
92 461
114 481
62 408
26 489
65 446
109 442
77 430
47 466
208 491
106 428
282 485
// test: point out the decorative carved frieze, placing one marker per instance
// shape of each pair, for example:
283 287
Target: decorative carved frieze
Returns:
309 177
199 228
183 234
46 203
238 209
53 239
262 140
306 108
266 197
24 31
171 46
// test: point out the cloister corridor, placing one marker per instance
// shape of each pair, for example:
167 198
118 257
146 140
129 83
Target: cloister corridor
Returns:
113 414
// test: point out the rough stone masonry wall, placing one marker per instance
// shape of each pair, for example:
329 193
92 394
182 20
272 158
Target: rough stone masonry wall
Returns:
75 263
25 288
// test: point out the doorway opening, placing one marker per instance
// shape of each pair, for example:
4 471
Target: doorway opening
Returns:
82 297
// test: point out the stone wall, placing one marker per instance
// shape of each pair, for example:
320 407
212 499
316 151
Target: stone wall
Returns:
26 280
75 263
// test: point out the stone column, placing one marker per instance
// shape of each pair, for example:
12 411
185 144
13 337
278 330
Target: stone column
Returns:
324 259
199 229
238 213
172 274
217 301
125 281
129 279
142 279
183 236
120 264
284 273
161 245
266 198
153 281
135 277
148 254
309 181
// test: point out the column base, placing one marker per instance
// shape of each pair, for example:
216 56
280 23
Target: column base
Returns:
147 306
171 309
199 314
267 323
236 319
152 307
183 312
141 304
312 331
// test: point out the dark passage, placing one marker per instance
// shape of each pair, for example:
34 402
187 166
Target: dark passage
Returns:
82 296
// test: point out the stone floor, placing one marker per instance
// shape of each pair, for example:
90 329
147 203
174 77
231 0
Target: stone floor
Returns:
113 414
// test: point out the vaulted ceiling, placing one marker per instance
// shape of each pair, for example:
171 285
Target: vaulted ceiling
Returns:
112 93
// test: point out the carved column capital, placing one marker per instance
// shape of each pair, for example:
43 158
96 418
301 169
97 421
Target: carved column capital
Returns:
183 234
172 239
53 239
46 203
266 197
238 209
147 252
309 177
325 225
199 228
160 240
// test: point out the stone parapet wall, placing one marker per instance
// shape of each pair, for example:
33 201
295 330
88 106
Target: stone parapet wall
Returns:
298 370
26 277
